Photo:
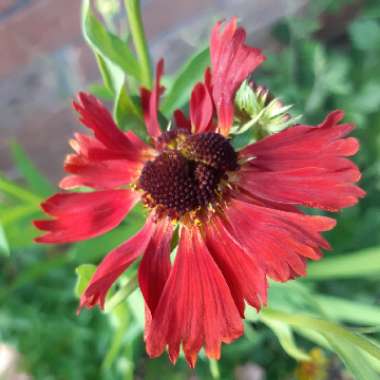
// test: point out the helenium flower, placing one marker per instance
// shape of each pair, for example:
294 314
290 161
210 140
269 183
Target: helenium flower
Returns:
236 212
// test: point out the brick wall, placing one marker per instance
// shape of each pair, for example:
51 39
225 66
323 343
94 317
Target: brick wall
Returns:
44 61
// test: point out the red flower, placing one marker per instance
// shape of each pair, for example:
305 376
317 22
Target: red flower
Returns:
236 213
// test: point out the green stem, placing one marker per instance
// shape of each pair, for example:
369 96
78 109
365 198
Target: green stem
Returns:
139 40
121 294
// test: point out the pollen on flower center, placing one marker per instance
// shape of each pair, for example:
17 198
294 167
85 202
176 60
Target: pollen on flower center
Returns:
188 173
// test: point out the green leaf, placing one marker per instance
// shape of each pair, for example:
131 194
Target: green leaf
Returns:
286 339
36 181
349 311
313 336
113 77
127 114
4 246
18 192
293 296
21 234
84 273
324 327
101 91
107 44
336 338
353 358
364 263
13 214
185 79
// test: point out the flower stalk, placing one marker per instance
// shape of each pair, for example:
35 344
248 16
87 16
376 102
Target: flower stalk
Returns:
139 39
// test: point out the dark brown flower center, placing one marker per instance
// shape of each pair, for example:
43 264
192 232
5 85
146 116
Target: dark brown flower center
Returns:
188 173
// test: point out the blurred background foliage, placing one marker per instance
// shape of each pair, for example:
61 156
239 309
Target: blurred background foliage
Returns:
328 57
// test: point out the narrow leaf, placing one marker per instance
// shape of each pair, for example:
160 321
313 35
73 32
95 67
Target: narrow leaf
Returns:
13 214
128 115
286 339
185 79
364 263
349 311
353 358
107 44
125 106
113 77
325 327
18 192
101 92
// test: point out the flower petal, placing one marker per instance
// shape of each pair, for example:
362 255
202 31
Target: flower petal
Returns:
279 240
150 102
305 165
113 265
96 166
98 175
95 116
196 307
201 108
312 187
307 141
245 278
232 61
155 265
181 121
80 216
